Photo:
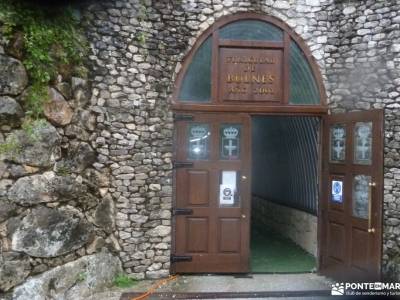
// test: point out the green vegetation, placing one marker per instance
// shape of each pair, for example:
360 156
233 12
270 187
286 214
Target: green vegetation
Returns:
81 277
63 170
142 12
49 43
141 36
124 281
30 127
142 16
52 44
11 146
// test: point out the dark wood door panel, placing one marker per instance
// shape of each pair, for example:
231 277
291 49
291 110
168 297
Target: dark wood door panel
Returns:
194 187
212 263
335 215
359 249
215 235
351 236
229 235
225 212
198 187
197 235
336 242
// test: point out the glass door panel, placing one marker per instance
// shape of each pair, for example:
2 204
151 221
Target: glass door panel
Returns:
198 139
361 196
230 135
363 143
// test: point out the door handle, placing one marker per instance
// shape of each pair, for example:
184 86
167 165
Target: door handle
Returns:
370 228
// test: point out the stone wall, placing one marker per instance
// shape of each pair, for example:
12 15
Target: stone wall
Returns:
363 72
132 66
299 226
112 155
138 47
51 209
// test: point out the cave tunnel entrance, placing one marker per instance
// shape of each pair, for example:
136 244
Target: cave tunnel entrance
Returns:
285 190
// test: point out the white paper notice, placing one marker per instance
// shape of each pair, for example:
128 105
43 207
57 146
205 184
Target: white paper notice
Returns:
226 194
227 189
229 177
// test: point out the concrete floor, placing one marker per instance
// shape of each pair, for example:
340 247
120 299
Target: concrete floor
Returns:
228 283
259 282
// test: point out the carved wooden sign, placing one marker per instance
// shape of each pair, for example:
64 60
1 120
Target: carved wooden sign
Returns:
250 74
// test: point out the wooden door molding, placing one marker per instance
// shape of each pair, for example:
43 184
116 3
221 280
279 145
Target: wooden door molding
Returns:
207 236
348 249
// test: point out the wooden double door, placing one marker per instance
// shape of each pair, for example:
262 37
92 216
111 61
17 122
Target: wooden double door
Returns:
351 212
212 197
213 193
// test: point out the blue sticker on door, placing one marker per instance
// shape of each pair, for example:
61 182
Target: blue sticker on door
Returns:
337 191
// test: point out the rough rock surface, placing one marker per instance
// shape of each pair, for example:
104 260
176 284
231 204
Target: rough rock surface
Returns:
80 156
124 114
80 94
41 148
43 188
48 197
10 111
355 43
14 268
104 215
13 77
47 232
72 281
16 45
57 110
65 89
8 209
17 171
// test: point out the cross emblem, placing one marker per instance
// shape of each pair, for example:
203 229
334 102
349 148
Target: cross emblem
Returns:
363 149
339 134
363 133
230 143
230 147
338 149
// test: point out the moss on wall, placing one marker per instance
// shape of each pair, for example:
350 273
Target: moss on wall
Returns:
49 43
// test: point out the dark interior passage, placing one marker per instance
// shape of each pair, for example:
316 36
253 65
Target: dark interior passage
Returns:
284 194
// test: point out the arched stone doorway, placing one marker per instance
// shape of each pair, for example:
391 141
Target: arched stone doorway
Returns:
296 85
249 65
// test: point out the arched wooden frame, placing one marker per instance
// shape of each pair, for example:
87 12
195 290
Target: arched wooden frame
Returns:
284 106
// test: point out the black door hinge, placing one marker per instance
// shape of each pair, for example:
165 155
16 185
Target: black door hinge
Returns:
179 117
182 211
180 258
182 164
